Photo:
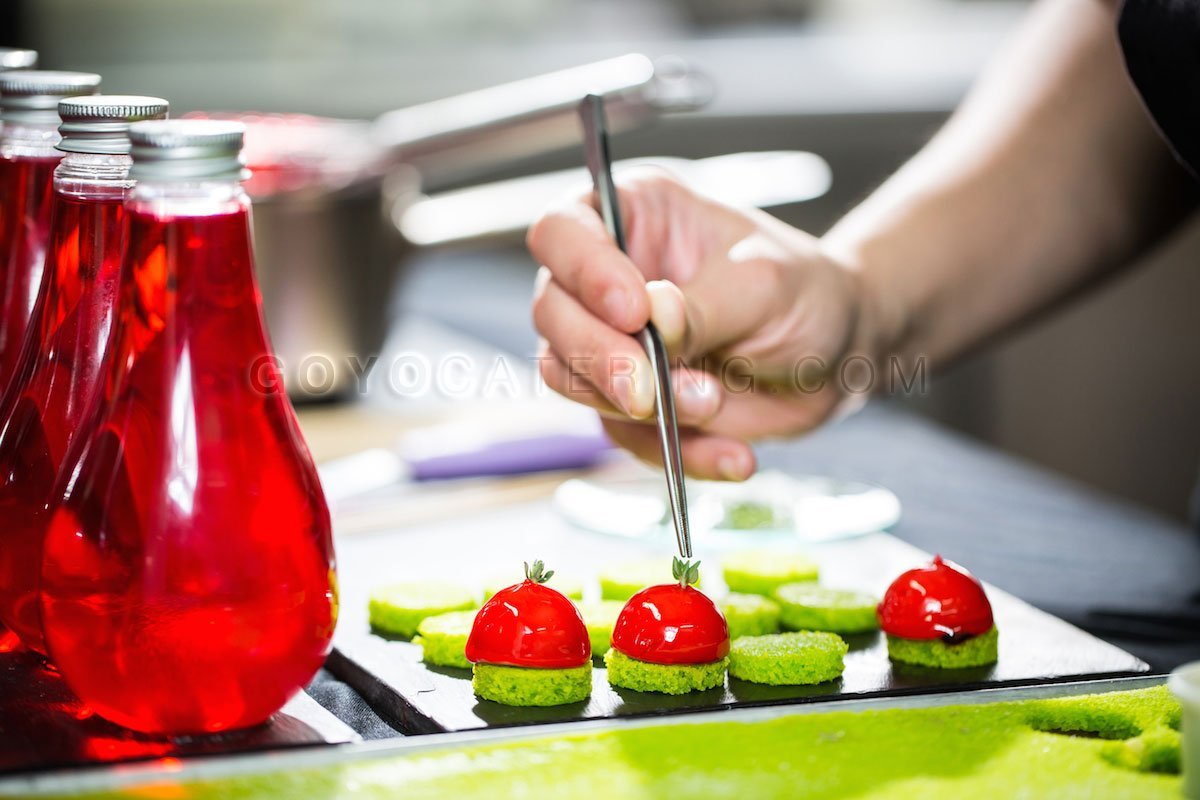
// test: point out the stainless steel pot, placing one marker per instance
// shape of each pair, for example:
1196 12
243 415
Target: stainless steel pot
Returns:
324 211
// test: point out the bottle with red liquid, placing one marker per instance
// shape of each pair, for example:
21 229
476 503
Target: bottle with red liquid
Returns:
29 111
188 580
55 379
14 58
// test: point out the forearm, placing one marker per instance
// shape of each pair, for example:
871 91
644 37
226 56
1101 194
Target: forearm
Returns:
1049 176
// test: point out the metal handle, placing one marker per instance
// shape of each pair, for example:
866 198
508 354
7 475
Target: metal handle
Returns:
501 212
472 131
599 163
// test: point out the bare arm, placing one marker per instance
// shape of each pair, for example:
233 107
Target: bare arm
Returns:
1049 176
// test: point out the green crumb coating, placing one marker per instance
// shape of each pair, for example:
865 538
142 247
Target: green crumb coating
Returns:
623 581
526 686
809 607
764 571
1156 750
443 638
750 614
1117 715
571 587
788 659
981 750
748 515
600 617
977 651
642 676
399 608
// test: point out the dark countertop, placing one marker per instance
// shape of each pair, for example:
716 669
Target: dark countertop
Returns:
1091 560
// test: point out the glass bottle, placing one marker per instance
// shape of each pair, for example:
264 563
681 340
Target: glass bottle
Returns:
12 58
55 378
29 111
188 575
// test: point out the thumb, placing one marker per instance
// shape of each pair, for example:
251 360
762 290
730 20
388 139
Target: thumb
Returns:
668 312
711 313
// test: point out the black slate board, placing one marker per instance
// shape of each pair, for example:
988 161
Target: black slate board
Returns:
1034 646
43 726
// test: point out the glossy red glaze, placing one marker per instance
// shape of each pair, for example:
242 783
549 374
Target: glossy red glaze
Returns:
529 625
671 624
52 389
26 186
937 601
188 577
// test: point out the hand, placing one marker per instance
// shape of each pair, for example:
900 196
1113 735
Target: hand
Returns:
757 319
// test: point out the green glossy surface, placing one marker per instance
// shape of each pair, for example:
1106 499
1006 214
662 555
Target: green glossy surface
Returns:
749 614
399 607
809 607
764 571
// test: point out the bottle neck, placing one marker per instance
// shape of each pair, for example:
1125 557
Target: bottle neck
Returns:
93 176
166 199
29 140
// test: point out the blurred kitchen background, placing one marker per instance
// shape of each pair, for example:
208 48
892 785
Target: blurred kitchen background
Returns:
1107 391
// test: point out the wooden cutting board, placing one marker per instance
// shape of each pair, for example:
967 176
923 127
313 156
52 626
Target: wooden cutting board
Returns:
1034 646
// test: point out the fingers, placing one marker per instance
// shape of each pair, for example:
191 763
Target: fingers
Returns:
668 312
724 303
572 242
705 456
698 395
612 362
764 412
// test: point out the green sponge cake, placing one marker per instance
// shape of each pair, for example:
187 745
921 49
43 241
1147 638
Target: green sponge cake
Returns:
570 587
399 608
764 571
750 615
518 686
623 581
443 638
642 676
788 659
976 651
600 617
808 607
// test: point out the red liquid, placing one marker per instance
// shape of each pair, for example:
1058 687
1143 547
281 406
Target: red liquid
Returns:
671 624
53 386
26 186
940 600
188 577
529 625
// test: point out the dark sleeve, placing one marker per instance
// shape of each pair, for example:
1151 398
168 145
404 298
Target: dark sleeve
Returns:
1161 43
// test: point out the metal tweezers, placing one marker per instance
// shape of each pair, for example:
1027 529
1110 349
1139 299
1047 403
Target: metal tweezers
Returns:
595 135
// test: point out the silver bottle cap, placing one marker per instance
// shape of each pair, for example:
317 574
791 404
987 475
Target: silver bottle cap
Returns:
187 150
99 123
32 96
13 58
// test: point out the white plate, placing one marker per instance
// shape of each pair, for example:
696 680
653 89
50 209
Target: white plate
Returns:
770 506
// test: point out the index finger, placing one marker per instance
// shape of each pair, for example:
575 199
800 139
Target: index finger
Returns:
572 242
